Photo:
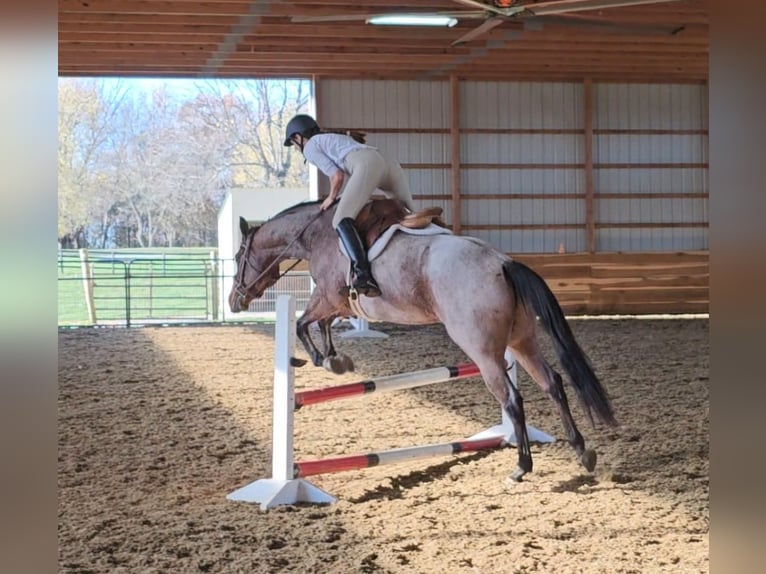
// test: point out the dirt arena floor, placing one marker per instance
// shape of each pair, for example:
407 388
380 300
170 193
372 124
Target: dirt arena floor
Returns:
157 425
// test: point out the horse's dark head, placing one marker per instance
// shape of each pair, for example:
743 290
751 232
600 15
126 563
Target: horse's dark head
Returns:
257 270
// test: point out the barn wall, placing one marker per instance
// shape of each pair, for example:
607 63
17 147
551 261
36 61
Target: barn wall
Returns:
529 185
651 141
522 142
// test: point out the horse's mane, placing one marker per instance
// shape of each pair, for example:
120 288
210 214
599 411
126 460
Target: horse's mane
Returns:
296 207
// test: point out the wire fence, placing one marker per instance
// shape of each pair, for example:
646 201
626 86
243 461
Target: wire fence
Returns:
131 289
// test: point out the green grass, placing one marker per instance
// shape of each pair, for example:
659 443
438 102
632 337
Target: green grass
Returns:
164 284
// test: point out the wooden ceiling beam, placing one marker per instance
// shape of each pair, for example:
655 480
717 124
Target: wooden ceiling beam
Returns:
341 45
192 72
544 71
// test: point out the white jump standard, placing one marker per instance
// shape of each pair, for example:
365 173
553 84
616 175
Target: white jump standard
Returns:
287 485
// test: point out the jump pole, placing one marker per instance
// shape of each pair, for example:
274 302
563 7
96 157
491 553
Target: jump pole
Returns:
419 379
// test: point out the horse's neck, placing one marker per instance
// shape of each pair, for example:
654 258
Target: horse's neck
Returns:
297 238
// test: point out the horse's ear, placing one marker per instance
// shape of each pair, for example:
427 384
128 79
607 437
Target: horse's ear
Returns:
243 226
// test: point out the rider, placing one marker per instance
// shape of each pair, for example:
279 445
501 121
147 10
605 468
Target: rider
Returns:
344 159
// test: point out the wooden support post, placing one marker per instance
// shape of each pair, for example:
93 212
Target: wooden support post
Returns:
214 301
87 284
590 224
455 146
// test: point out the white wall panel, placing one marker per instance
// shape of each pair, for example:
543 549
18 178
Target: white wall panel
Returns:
675 210
534 240
650 148
650 106
384 104
524 106
521 105
401 117
413 147
521 148
652 112
651 180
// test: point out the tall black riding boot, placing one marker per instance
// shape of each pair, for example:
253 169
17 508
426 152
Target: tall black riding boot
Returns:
364 282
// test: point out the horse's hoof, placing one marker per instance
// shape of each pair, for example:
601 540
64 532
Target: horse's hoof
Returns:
588 459
516 477
334 365
348 363
296 362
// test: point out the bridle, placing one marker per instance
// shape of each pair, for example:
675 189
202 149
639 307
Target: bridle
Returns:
242 288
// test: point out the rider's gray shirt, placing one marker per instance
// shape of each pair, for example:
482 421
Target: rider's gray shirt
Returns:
327 151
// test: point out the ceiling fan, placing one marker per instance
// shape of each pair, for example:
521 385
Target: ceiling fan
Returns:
532 13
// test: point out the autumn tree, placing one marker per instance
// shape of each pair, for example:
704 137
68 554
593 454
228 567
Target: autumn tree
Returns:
252 117
151 168
87 111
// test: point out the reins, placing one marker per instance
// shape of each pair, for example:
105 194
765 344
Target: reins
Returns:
242 289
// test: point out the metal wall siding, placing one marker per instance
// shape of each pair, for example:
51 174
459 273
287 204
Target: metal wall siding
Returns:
502 107
648 148
521 148
521 105
670 210
650 106
642 108
534 240
651 180
524 211
413 147
540 181
384 104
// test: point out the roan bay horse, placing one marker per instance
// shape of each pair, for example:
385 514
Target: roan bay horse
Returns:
485 300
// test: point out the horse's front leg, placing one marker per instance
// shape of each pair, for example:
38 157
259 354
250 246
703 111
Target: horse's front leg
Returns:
335 362
302 330
320 312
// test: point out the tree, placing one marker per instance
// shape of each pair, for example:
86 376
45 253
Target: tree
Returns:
152 167
87 109
252 116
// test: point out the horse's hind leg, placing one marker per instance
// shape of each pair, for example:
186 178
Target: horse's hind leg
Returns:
528 354
499 384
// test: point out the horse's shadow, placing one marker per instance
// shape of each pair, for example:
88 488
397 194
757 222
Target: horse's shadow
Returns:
400 484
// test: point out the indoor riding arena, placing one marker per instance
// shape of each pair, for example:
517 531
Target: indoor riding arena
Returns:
572 136
158 425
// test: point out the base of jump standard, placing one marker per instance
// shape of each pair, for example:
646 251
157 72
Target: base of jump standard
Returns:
286 486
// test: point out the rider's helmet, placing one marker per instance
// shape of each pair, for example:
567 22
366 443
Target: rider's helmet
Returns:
302 124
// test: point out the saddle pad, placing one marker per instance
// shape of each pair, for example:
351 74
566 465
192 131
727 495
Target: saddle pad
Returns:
380 244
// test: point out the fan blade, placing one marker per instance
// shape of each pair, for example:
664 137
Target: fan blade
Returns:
491 7
564 6
480 30
608 27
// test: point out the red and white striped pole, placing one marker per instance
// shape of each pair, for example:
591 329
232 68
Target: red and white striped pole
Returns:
389 383
355 462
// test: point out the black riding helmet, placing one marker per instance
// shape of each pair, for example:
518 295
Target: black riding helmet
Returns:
300 124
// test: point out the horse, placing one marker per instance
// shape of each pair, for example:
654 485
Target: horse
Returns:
486 301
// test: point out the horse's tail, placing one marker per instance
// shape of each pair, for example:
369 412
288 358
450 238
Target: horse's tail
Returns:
532 291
